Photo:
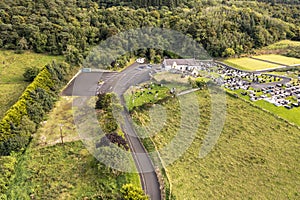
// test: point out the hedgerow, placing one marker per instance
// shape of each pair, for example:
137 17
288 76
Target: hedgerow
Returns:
22 119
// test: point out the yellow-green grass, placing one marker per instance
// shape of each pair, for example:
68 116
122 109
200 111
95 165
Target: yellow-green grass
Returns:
9 93
66 171
284 44
284 60
12 67
249 64
256 156
50 170
61 114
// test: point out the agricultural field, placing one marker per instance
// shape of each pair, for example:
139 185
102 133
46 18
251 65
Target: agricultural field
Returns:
12 67
249 64
64 171
256 155
283 60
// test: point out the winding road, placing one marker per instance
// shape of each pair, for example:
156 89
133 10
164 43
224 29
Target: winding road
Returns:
86 84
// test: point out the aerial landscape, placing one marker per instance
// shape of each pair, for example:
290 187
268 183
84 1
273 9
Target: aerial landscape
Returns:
136 100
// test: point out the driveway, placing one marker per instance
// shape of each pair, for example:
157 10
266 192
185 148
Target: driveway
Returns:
87 84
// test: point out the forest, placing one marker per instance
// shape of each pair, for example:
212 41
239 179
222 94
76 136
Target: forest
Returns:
72 27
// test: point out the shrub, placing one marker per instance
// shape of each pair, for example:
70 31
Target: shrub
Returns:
7 170
30 73
130 192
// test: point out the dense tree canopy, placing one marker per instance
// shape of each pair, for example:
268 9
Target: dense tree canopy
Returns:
71 27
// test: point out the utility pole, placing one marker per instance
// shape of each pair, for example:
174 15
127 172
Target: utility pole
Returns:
61 135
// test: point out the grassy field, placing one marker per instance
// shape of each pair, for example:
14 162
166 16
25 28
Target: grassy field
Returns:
249 64
12 67
291 115
50 170
256 156
146 95
9 94
279 59
49 133
284 44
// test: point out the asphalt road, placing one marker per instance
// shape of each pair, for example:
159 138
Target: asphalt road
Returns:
86 84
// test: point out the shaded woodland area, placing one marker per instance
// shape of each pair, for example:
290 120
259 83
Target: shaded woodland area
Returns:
72 27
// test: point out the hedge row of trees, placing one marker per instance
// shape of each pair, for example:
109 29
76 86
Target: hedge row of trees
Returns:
73 27
24 117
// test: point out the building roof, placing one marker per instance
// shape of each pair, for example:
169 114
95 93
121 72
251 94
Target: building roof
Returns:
191 62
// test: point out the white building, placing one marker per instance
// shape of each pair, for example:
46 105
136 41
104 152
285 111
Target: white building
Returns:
180 64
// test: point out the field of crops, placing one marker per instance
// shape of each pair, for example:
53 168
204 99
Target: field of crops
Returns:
249 64
283 60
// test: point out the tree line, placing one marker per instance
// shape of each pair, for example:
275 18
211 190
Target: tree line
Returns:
72 27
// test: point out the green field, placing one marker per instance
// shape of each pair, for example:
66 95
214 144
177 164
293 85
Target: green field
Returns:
145 96
249 64
50 170
9 94
256 156
291 115
284 44
12 67
284 60
49 133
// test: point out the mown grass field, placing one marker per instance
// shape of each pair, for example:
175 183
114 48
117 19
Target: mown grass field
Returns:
284 60
50 170
12 67
256 156
249 64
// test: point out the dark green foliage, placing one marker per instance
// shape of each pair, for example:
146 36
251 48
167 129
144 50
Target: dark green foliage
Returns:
73 27
106 103
293 52
30 73
21 120
103 101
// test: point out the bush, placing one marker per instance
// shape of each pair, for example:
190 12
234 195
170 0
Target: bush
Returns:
130 192
30 73
7 170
